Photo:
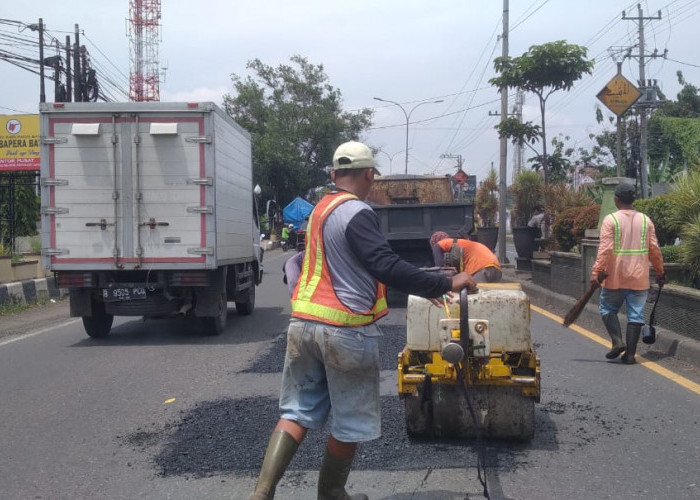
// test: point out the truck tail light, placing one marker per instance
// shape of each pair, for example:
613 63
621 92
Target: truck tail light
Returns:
76 280
189 278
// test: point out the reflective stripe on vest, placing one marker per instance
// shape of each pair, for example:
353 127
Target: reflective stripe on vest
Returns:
617 246
314 297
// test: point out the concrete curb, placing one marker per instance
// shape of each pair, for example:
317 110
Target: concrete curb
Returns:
30 291
668 342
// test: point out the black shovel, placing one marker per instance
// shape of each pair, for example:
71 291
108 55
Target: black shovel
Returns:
649 330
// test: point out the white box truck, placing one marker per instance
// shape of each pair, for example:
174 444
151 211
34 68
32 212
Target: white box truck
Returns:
148 209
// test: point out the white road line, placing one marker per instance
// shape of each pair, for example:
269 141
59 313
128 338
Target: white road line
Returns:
38 332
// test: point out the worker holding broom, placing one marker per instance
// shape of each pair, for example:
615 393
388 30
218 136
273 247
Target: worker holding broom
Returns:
627 245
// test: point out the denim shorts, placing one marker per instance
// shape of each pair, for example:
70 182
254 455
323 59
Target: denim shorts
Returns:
332 368
611 301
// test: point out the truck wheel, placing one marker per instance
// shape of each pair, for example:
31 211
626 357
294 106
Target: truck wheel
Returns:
246 308
98 326
215 325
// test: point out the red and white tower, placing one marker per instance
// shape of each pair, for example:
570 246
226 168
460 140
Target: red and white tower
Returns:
144 36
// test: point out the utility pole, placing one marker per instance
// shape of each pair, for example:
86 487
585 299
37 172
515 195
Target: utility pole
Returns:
502 171
77 87
620 162
643 88
42 86
518 150
69 77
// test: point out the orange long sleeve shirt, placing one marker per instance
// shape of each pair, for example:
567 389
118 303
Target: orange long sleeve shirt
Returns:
476 255
627 245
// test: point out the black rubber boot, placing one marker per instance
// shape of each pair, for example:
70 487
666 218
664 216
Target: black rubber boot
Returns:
633 332
280 450
332 478
612 324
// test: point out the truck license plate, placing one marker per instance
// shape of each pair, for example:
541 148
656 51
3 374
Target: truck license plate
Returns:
116 294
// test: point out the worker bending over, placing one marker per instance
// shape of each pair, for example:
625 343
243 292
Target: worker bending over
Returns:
478 261
332 358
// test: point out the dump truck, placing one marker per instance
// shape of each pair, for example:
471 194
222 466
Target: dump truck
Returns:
148 209
412 207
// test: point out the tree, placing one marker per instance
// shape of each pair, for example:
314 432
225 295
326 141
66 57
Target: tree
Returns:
23 214
558 163
674 134
542 70
296 121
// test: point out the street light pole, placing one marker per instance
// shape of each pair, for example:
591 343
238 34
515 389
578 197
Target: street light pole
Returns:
408 118
391 157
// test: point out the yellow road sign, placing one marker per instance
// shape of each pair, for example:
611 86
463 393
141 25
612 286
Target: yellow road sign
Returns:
619 94
19 142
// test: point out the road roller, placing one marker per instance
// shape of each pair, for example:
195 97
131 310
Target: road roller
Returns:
469 368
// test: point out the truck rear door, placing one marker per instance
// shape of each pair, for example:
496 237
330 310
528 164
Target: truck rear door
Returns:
127 190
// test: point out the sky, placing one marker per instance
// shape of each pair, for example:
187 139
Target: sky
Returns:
408 51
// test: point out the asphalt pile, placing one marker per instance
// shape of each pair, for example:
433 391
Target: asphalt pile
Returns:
230 435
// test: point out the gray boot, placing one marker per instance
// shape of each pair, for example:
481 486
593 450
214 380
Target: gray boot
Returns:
280 450
332 478
612 324
633 332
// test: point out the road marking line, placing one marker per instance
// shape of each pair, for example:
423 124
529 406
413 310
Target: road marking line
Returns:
38 332
647 363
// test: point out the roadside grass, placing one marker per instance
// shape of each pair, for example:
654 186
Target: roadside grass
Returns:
16 306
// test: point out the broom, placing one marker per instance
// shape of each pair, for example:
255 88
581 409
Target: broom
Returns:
573 314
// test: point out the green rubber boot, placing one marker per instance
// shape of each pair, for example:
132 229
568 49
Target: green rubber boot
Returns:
332 478
612 325
280 450
633 332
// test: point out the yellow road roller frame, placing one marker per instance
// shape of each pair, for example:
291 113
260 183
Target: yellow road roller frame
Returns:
507 369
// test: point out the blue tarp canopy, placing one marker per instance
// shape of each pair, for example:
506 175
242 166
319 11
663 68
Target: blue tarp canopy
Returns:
297 210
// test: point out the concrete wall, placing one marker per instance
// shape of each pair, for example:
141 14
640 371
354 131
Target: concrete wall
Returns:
29 291
678 309
29 268
566 277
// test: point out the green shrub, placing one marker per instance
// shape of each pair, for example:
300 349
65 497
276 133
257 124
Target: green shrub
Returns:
571 224
35 244
660 210
487 199
690 245
527 193
685 215
563 225
671 254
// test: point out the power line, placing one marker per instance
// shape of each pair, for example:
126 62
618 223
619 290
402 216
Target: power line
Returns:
436 117
684 63
528 17
16 110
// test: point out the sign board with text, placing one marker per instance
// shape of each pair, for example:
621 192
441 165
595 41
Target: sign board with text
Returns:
19 142
619 94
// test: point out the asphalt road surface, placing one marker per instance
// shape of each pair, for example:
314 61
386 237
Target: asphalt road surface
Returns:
157 411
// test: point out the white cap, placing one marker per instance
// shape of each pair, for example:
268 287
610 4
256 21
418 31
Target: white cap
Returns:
353 154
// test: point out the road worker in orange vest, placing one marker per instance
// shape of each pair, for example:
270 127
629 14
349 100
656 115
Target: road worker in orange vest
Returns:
332 359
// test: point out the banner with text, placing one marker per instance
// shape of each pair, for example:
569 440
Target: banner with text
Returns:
19 142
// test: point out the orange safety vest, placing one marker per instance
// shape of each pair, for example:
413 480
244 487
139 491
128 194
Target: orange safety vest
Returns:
314 298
